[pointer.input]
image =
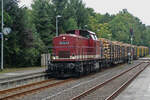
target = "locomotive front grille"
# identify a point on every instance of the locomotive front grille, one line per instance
(64, 54)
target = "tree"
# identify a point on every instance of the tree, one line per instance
(70, 24)
(76, 9)
(43, 20)
(23, 40)
(104, 31)
(93, 24)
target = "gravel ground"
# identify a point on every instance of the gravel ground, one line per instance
(71, 89)
(107, 90)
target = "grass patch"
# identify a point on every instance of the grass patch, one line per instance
(6, 70)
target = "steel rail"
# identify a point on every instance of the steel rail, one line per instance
(24, 86)
(34, 90)
(102, 84)
(120, 89)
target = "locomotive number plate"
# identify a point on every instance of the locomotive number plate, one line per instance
(64, 42)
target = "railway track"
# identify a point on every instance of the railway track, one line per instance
(18, 92)
(107, 85)
(21, 91)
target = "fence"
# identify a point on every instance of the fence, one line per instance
(44, 59)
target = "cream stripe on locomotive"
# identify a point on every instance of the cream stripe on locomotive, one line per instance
(78, 57)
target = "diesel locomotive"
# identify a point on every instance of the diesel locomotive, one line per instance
(79, 52)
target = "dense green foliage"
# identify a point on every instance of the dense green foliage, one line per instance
(33, 29)
(23, 46)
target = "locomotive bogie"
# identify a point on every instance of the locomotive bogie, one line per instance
(65, 69)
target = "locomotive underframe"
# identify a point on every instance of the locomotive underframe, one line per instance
(79, 68)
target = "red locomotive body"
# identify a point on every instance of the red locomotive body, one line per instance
(75, 52)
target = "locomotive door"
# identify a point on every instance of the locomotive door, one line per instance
(93, 45)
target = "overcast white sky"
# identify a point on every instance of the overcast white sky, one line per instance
(139, 8)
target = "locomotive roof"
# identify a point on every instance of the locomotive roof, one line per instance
(73, 35)
(83, 33)
(87, 31)
(90, 32)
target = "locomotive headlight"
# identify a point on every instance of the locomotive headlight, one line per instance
(54, 57)
(73, 56)
(64, 38)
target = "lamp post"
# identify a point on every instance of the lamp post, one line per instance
(2, 37)
(58, 16)
(4, 31)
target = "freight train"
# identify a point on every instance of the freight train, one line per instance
(79, 52)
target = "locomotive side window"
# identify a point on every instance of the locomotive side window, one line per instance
(93, 37)
(85, 34)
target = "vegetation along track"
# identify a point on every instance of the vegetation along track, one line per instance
(30, 88)
(107, 86)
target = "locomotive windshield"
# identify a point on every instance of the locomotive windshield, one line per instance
(83, 33)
